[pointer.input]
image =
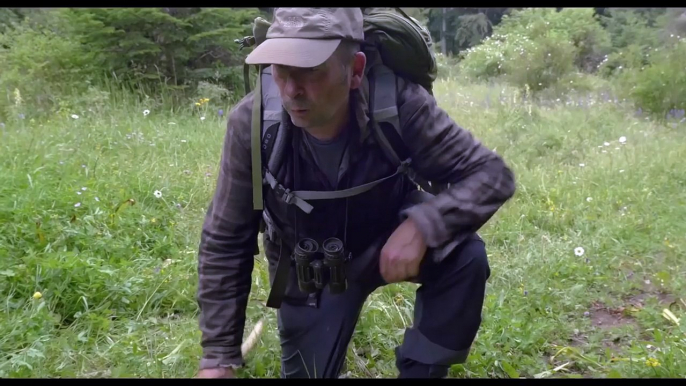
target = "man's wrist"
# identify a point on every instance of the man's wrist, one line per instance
(213, 361)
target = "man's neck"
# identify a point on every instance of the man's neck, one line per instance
(328, 132)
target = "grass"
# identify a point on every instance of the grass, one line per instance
(117, 273)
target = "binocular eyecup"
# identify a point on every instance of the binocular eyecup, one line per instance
(313, 273)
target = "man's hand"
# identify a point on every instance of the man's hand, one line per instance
(218, 372)
(402, 254)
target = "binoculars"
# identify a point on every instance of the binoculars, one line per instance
(313, 273)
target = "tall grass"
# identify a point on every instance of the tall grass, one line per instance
(100, 219)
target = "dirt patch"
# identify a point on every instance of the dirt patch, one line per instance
(604, 317)
(578, 340)
(650, 293)
(640, 299)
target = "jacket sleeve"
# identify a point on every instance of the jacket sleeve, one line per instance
(227, 246)
(444, 152)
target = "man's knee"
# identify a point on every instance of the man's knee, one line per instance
(474, 254)
(468, 259)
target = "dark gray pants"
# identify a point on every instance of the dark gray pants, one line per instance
(447, 316)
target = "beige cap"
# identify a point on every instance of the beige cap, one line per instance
(306, 37)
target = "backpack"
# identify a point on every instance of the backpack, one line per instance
(405, 49)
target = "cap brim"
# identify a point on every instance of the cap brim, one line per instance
(293, 52)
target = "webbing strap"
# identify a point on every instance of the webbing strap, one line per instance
(280, 283)
(299, 197)
(255, 148)
(285, 194)
(246, 78)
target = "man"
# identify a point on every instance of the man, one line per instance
(394, 232)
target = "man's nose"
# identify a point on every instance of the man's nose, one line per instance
(292, 89)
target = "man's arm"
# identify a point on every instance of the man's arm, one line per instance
(227, 246)
(444, 152)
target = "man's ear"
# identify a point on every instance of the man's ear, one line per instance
(359, 63)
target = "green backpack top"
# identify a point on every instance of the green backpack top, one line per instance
(403, 44)
(405, 49)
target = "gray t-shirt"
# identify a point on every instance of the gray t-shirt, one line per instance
(328, 154)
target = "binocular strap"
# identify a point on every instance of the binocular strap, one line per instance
(280, 282)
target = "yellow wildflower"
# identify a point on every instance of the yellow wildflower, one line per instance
(37, 295)
(652, 362)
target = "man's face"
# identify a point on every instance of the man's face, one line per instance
(314, 96)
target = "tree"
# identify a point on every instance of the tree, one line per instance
(461, 28)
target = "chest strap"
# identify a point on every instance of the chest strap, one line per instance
(299, 198)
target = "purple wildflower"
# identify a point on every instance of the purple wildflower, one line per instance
(221, 112)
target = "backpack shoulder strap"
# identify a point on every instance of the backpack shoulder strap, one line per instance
(273, 139)
(267, 140)
(384, 108)
(256, 147)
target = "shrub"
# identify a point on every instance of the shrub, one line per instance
(660, 86)
(175, 46)
(52, 57)
(634, 35)
(486, 60)
(579, 25)
(538, 46)
(39, 65)
(543, 63)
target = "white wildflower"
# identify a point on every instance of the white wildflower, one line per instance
(77, 204)
(158, 194)
(146, 112)
(183, 141)
(582, 165)
(97, 199)
(84, 188)
(589, 199)
(606, 143)
(579, 251)
(621, 171)
(622, 139)
(202, 118)
(77, 192)
(75, 116)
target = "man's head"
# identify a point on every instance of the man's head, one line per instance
(316, 61)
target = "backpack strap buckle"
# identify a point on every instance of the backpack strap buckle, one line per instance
(404, 166)
(286, 195)
(247, 41)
